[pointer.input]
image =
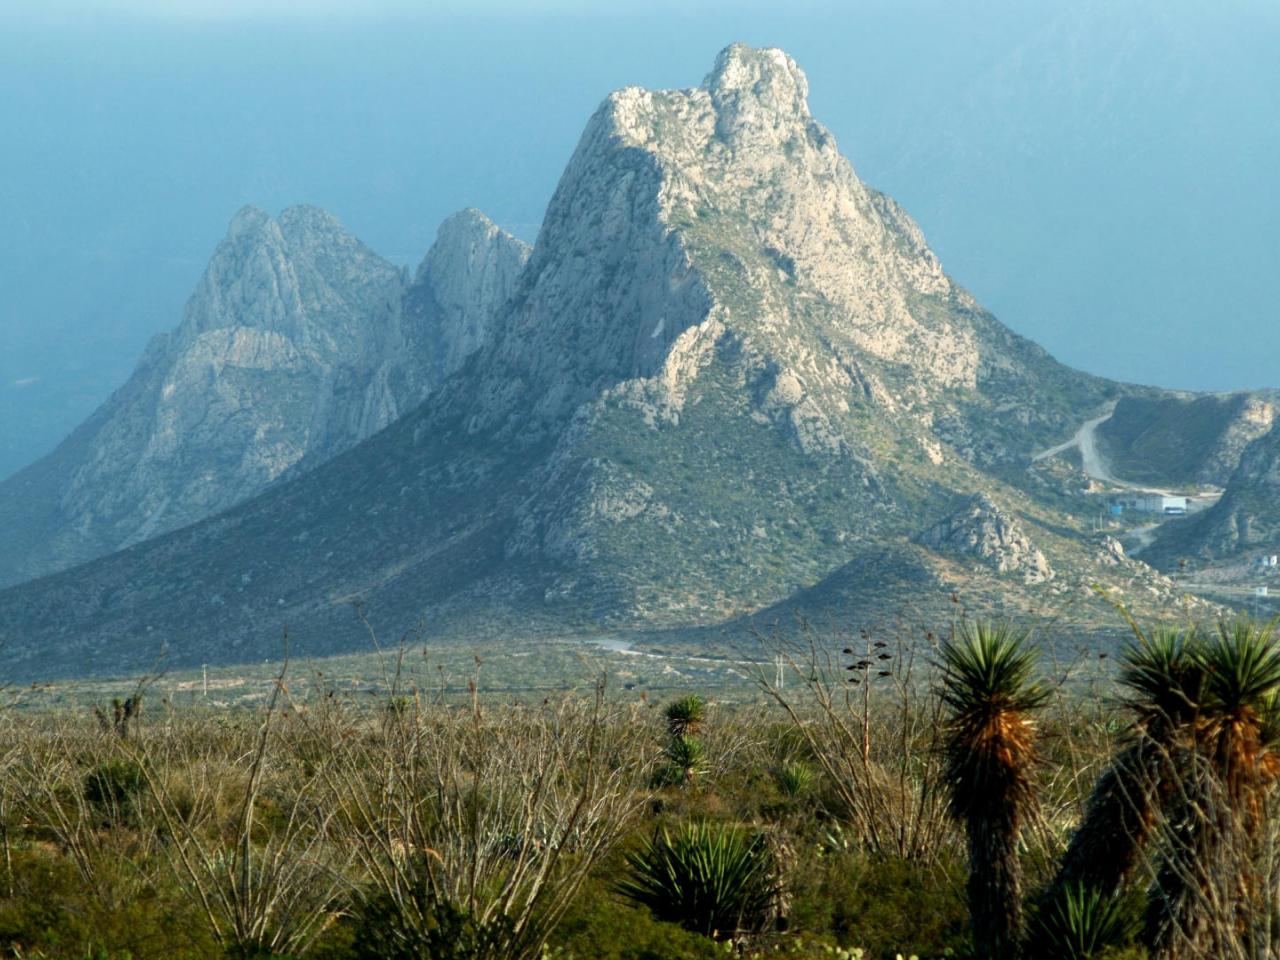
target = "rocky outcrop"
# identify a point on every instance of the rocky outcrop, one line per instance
(298, 343)
(982, 531)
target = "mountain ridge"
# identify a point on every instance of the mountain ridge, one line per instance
(727, 372)
(295, 345)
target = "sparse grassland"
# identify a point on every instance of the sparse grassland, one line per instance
(858, 799)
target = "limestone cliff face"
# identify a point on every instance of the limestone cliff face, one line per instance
(298, 343)
(469, 273)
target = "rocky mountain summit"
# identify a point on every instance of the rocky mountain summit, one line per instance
(729, 378)
(449, 309)
(298, 343)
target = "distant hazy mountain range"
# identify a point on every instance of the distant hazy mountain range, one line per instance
(298, 343)
(730, 381)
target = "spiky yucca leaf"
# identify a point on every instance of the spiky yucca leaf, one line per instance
(686, 752)
(1164, 677)
(793, 778)
(716, 880)
(1241, 665)
(686, 715)
(1081, 923)
(684, 761)
(989, 690)
(1242, 679)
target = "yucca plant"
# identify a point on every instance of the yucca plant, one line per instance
(793, 778)
(1163, 678)
(686, 715)
(1081, 923)
(1205, 883)
(990, 694)
(1242, 677)
(684, 760)
(716, 880)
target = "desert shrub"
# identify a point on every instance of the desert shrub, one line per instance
(793, 778)
(487, 823)
(53, 914)
(112, 788)
(437, 929)
(885, 905)
(600, 927)
(716, 880)
(1083, 923)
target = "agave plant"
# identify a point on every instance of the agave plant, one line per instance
(1204, 884)
(1081, 923)
(718, 881)
(989, 747)
(1163, 677)
(686, 715)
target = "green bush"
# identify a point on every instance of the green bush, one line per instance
(113, 787)
(884, 905)
(54, 914)
(1083, 924)
(715, 880)
(435, 929)
(599, 927)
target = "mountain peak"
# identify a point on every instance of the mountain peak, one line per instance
(728, 373)
(248, 219)
(768, 78)
(305, 217)
(463, 229)
(469, 272)
(467, 218)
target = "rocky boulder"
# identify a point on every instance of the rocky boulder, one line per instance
(982, 531)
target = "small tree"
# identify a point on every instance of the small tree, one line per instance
(1163, 679)
(989, 746)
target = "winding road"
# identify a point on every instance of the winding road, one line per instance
(1086, 441)
(1096, 466)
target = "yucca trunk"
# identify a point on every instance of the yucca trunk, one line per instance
(1118, 822)
(1209, 899)
(1177, 925)
(995, 882)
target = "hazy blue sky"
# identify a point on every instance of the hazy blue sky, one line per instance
(1102, 175)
